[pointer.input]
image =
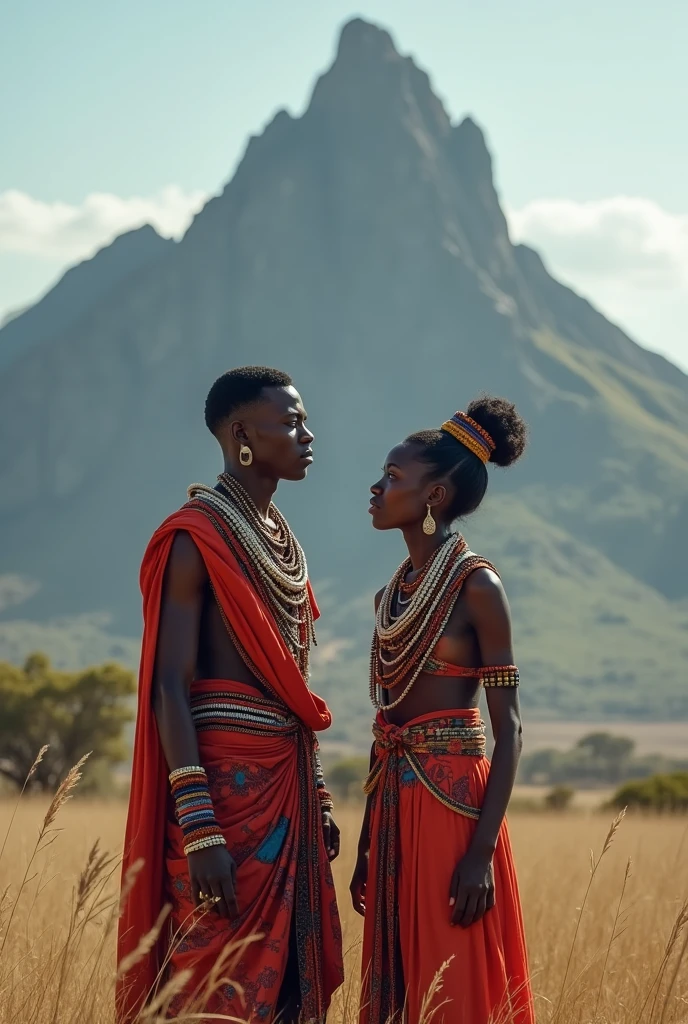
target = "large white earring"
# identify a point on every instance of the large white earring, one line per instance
(429, 524)
(245, 455)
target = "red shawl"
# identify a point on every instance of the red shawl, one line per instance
(258, 635)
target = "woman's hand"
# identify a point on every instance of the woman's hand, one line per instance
(358, 884)
(330, 835)
(212, 872)
(472, 892)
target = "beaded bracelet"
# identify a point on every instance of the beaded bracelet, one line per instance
(324, 796)
(189, 770)
(326, 801)
(194, 809)
(499, 675)
(204, 844)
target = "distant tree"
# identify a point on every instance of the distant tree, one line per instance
(606, 746)
(610, 753)
(598, 759)
(658, 793)
(73, 712)
(559, 798)
(543, 766)
(345, 778)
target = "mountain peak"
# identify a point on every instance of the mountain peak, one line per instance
(370, 80)
(470, 150)
(361, 39)
(80, 288)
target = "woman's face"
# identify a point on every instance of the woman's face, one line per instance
(400, 497)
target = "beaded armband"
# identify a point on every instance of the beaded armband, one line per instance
(324, 796)
(499, 675)
(194, 809)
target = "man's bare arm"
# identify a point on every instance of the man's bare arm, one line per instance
(212, 871)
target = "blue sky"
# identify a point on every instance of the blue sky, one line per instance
(115, 112)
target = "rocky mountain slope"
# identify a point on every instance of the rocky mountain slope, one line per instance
(362, 247)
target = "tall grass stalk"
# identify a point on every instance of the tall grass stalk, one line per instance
(60, 905)
(594, 868)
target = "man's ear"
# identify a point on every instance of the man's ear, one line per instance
(238, 432)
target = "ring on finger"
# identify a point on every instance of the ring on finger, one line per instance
(208, 898)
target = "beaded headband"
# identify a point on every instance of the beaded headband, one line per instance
(469, 433)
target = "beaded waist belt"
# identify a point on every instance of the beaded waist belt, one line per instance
(441, 736)
(240, 712)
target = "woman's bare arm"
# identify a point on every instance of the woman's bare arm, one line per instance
(472, 887)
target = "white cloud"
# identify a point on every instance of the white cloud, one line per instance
(67, 232)
(629, 256)
(623, 239)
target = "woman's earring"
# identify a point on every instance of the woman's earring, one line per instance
(429, 524)
(245, 455)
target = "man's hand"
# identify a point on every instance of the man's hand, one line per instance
(330, 835)
(472, 891)
(357, 888)
(213, 874)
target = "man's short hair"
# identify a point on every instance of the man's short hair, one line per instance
(237, 388)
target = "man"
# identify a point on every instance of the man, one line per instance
(225, 737)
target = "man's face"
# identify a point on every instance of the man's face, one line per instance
(276, 432)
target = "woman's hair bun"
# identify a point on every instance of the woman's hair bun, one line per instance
(505, 426)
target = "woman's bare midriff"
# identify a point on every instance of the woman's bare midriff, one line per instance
(432, 693)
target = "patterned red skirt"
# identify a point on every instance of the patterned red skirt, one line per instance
(428, 785)
(260, 772)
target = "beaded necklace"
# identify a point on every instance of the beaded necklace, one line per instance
(403, 641)
(272, 560)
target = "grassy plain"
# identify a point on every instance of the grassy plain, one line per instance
(627, 965)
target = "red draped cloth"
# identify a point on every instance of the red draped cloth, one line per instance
(258, 752)
(428, 784)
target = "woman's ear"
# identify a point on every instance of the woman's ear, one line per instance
(436, 495)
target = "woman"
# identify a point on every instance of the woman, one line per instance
(434, 876)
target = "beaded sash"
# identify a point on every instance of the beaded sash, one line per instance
(242, 712)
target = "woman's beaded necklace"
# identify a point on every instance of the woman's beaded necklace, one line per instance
(276, 562)
(402, 641)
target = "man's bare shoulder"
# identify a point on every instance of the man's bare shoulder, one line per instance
(185, 563)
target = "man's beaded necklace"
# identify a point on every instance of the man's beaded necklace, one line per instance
(276, 563)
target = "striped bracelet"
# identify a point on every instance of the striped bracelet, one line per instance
(194, 808)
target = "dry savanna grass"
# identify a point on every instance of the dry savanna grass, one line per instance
(607, 930)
